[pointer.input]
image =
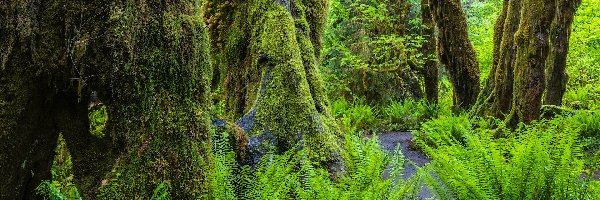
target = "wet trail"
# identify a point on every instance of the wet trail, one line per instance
(389, 142)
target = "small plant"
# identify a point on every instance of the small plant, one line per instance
(444, 131)
(354, 117)
(98, 118)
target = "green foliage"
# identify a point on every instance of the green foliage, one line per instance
(61, 186)
(409, 114)
(355, 116)
(445, 130)
(370, 50)
(589, 125)
(98, 119)
(293, 175)
(583, 62)
(52, 190)
(161, 192)
(539, 161)
(481, 16)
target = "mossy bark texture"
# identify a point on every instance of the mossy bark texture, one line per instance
(147, 61)
(560, 32)
(531, 40)
(456, 52)
(268, 53)
(430, 66)
(532, 51)
(496, 97)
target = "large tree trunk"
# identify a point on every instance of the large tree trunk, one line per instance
(496, 97)
(532, 50)
(560, 32)
(521, 53)
(149, 63)
(430, 67)
(456, 51)
(268, 50)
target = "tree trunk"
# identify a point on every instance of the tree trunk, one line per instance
(456, 52)
(149, 63)
(269, 52)
(430, 66)
(532, 50)
(560, 32)
(497, 95)
(517, 81)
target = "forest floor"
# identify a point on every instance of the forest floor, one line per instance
(413, 158)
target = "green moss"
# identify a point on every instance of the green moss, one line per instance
(284, 92)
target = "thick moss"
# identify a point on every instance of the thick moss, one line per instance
(271, 83)
(158, 103)
(149, 63)
(430, 67)
(560, 32)
(496, 98)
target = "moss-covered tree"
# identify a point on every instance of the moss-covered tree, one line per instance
(268, 54)
(522, 38)
(496, 96)
(456, 52)
(148, 62)
(430, 66)
(532, 51)
(560, 32)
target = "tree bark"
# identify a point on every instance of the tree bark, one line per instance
(430, 66)
(532, 51)
(149, 63)
(497, 95)
(560, 32)
(456, 51)
(269, 53)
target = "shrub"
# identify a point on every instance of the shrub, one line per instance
(446, 130)
(354, 117)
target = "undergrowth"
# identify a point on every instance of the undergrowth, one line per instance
(293, 175)
(544, 160)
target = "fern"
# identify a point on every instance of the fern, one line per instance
(539, 161)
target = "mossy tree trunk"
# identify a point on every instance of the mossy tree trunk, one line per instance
(532, 51)
(148, 62)
(496, 97)
(531, 40)
(430, 67)
(268, 51)
(560, 32)
(456, 51)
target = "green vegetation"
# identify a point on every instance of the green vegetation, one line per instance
(283, 100)
(292, 175)
(543, 160)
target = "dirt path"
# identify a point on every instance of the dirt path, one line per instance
(389, 141)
